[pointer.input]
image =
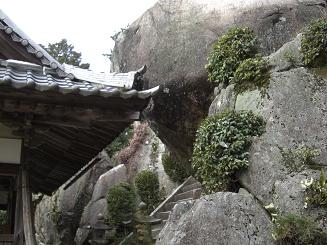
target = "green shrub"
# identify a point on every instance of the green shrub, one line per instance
(147, 187)
(228, 52)
(121, 204)
(120, 142)
(251, 74)
(299, 158)
(314, 43)
(173, 169)
(316, 193)
(221, 147)
(3, 217)
(294, 230)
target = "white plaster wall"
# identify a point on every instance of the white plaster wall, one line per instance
(10, 150)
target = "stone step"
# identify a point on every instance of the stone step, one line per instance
(170, 205)
(163, 215)
(155, 233)
(192, 181)
(191, 187)
(154, 221)
(157, 226)
(194, 194)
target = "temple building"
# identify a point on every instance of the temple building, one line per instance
(54, 119)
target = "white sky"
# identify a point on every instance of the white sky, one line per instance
(87, 25)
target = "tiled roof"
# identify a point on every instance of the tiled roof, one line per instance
(19, 37)
(27, 75)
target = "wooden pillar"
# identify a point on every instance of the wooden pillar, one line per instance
(27, 209)
(19, 229)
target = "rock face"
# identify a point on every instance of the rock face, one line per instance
(220, 218)
(57, 217)
(173, 39)
(294, 110)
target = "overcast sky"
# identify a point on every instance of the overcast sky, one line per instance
(87, 25)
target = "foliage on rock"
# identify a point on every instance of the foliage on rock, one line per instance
(147, 187)
(221, 147)
(294, 230)
(316, 192)
(314, 43)
(121, 204)
(251, 74)
(173, 169)
(299, 158)
(126, 155)
(120, 142)
(228, 52)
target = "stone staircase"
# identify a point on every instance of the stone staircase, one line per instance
(190, 189)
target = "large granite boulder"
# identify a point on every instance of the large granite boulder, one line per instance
(115, 175)
(173, 38)
(220, 218)
(57, 217)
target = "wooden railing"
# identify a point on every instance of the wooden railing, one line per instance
(6, 239)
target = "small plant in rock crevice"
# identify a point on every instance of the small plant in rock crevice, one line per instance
(314, 43)
(289, 57)
(251, 74)
(299, 158)
(154, 151)
(228, 52)
(174, 169)
(147, 187)
(291, 229)
(316, 192)
(120, 142)
(221, 148)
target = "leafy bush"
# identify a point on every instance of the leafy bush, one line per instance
(314, 43)
(294, 230)
(251, 74)
(147, 187)
(299, 158)
(121, 204)
(173, 169)
(120, 142)
(221, 147)
(316, 192)
(228, 52)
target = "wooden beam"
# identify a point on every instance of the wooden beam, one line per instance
(75, 100)
(27, 209)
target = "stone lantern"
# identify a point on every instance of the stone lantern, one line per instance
(99, 231)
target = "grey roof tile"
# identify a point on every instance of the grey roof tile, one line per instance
(18, 36)
(23, 74)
